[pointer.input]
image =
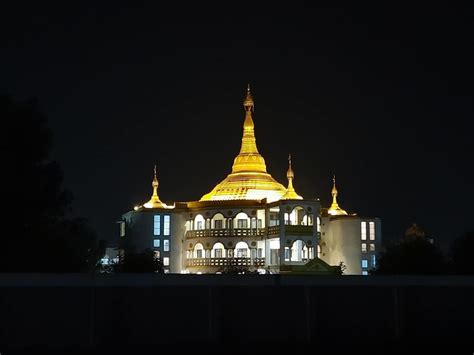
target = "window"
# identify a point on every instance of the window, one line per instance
(218, 224)
(242, 253)
(208, 224)
(365, 273)
(372, 230)
(156, 224)
(218, 253)
(241, 223)
(199, 225)
(166, 245)
(156, 243)
(157, 254)
(373, 260)
(259, 252)
(318, 225)
(364, 247)
(372, 247)
(253, 223)
(166, 225)
(287, 254)
(199, 253)
(122, 229)
(365, 264)
(363, 230)
(259, 223)
(166, 261)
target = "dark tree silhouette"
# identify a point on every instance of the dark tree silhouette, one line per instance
(415, 256)
(38, 236)
(143, 262)
(462, 250)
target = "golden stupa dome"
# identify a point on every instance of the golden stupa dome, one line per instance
(249, 179)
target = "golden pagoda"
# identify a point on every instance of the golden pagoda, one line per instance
(249, 179)
(290, 191)
(335, 210)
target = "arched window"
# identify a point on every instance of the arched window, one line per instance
(199, 222)
(298, 253)
(307, 220)
(198, 252)
(218, 251)
(218, 221)
(296, 216)
(242, 221)
(241, 250)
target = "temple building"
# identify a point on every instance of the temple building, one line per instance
(251, 222)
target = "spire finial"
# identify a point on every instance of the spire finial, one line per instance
(155, 200)
(155, 180)
(248, 102)
(290, 191)
(334, 189)
(335, 209)
(290, 174)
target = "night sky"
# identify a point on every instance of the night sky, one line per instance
(383, 97)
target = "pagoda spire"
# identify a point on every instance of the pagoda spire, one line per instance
(249, 159)
(290, 191)
(155, 201)
(335, 209)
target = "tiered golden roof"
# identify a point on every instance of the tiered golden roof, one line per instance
(290, 191)
(249, 179)
(335, 210)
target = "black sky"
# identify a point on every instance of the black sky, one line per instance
(381, 96)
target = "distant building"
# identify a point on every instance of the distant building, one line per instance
(249, 220)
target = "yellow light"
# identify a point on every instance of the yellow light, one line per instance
(249, 179)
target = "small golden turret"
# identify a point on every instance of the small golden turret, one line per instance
(155, 200)
(290, 191)
(335, 210)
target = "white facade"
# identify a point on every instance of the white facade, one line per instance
(352, 240)
(210, 237)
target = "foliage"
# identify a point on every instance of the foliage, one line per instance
(140, 262)
(41, 238)
(462, 254)
(415, 256)
(341, 268)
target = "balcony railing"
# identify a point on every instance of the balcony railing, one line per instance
(225, 262)
(236, 232)
(299, 230)
(273, 230)
(250, 232)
